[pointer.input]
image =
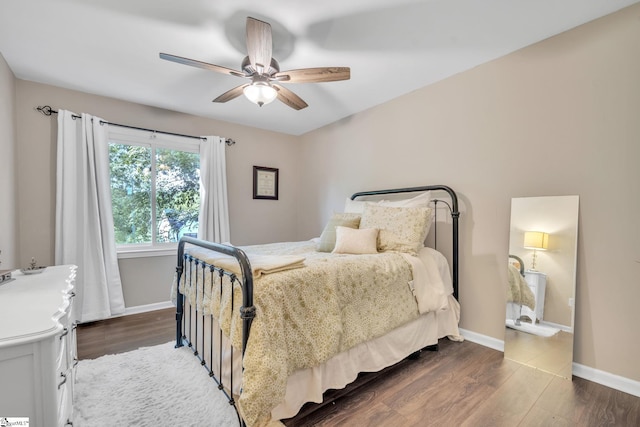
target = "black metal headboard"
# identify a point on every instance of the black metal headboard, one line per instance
(455, 215)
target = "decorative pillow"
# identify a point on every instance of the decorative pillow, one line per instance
(420, 201)
(356, 241)
(401, 229)
(328, 236)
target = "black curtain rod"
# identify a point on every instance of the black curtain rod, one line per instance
(47, 111)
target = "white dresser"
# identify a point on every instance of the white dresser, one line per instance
(38, 347)
(537, 283)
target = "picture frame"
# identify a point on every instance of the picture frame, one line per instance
(265, 183)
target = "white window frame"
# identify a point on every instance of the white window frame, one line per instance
(154, 140)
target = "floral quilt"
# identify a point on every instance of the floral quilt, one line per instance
(306, 315)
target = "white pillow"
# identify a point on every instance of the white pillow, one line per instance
(401, 229)
(420, 201)
(354, 206)
(356, 240)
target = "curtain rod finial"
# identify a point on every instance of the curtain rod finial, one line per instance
(229, 142)
(46, 110)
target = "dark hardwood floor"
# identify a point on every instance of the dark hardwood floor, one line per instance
(125, 333)
(462, 384)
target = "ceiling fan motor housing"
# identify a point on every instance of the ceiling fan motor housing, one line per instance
(249, 70)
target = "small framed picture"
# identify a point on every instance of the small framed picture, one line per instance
(265, 183)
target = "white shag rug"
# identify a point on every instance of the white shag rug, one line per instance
(540, 330)
(152, 386)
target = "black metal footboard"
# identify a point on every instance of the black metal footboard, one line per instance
(191, 327)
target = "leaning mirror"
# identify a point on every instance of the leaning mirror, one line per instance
(541, 290)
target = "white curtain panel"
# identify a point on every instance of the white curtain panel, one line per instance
(84, 220)
(213, 220)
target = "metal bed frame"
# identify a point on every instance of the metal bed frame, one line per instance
(195, 270)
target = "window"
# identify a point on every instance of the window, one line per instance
(155, 184)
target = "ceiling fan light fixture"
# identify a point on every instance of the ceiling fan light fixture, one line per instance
(260, 93)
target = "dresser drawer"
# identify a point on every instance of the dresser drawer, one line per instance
(65, 398)
(62, 350)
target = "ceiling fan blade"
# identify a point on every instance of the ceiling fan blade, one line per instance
(314, 75)
(199, 64)
(259, 44)
(231, 94)
(290, 98)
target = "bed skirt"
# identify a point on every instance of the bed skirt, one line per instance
(308, 385)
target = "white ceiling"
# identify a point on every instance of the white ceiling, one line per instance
(111, 47)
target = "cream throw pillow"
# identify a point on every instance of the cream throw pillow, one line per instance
(401, 229)
(328, 237)
(356, 241)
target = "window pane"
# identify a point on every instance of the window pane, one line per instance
(131, 192)
(177, 194)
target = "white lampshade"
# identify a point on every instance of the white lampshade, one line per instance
(260, 93)
(536, 240)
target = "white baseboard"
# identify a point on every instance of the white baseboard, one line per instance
(617, 382)
(145, 308)
(484, 340)
(557, 326)
(607, 379)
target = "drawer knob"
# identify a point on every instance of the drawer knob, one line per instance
(63, 381)
(64, 333)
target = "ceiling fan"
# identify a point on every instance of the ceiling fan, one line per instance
(264, 72)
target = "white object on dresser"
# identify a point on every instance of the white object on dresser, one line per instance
(537, 282)
(38, 347)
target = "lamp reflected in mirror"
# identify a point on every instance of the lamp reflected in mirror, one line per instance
(541, 283)
(536, 240)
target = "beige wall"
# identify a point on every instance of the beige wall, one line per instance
(36, 157)
(8, 235)
(556, 118)
(559, 117)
